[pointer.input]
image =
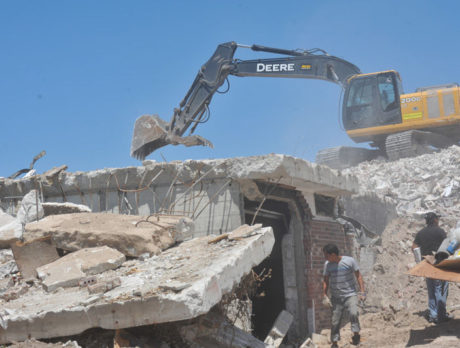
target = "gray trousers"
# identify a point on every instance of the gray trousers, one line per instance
(339, 305)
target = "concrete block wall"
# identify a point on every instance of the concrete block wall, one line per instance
(215, 211)
(215, 205)
(322, 231)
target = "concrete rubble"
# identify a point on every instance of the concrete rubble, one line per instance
(180, 283)
(415, 185)
(7, 263)
(199, 242)
(56, 208)
(171, 242)
(394, 312)
(214, 331)
(279, 330)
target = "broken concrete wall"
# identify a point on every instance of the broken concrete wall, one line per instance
(215, 204)
(370, 210)
(209, 187)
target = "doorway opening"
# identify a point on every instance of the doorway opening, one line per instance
(269, 300)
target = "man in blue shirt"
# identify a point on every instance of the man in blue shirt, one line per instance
(340, 276)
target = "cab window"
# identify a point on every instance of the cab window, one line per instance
(387, 93)
(360, 93)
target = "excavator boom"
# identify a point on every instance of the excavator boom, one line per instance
(151, 132)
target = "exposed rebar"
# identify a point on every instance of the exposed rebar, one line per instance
(210, 200)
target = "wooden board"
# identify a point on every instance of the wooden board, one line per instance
(453, 264)
(425, 269)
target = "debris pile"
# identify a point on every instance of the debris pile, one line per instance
(416, 185)
(65, 273)
(141, 212)
(147, 281)
(395, 308)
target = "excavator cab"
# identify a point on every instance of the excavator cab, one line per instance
(371, 104)
(372, 100)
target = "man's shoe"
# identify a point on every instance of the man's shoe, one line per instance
(443, 319)
(356, 339)
(334, 345)
(432, 320)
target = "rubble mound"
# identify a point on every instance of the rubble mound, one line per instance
(418, 184)
(394, 312)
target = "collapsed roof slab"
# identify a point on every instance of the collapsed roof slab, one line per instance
(295, 172)
(284, 169)
(208, 191)
(181, 283)
(130, 234)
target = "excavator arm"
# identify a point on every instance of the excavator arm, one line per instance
(151, 132)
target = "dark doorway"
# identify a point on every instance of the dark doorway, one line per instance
(270, 299)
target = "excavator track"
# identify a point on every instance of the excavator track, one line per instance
(402, 145)
(414, 143)
(342, 157)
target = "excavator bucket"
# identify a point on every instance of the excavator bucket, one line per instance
(150, 133)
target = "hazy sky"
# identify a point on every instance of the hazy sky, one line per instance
(75, 75)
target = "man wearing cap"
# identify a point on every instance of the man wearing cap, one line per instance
(429, 240)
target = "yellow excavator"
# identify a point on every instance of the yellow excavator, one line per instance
(375, 110)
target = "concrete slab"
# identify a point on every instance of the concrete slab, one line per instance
(31, 208)
(213, 330)
(10, 229)
(29, 256)
(38, 344)
(279, 329)
(244, 231)
(55, 208)
(71, 268)
(308, 343)
(210, 270)
(130, 234)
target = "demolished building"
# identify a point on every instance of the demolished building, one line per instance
(295, 199)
